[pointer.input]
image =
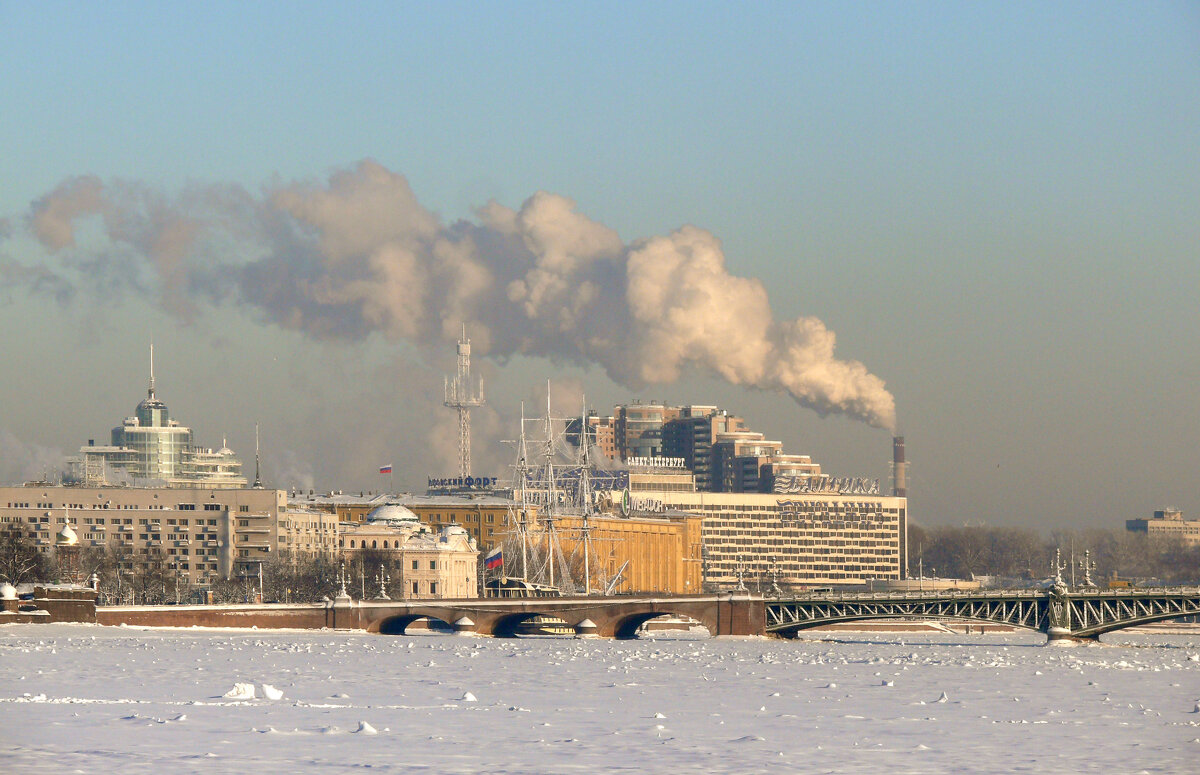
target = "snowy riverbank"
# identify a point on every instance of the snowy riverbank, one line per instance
(97, 699)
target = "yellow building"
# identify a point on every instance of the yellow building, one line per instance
(663, 554)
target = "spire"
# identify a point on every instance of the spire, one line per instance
(150, 392)
(257, 479)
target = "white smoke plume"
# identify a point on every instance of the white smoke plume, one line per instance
(358, 254)
(22, 461)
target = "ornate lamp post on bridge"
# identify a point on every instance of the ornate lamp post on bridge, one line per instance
(1087, 565)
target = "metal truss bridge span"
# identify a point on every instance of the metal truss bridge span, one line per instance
(1055, 611)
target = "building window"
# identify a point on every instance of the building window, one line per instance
(414, 568)
(243, 508)
(433, 565)
(433, 587)
(415, 591)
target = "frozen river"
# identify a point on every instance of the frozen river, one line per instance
(82, 698)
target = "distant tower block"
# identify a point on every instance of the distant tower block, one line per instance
(899, 486)
(460, 396)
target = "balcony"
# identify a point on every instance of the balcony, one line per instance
(182, 543)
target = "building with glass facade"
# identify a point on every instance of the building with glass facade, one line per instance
(150, 448)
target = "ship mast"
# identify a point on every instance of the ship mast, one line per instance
(548, 454)
(523, 472)
(584, 498)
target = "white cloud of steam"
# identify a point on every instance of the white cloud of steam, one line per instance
(22, 461)
(359, 254)
(284, 468)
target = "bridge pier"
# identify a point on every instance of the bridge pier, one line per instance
(740, 615)
(1054, 634)
(340, 614)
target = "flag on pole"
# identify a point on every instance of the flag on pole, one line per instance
(494, 559)
(385, 469)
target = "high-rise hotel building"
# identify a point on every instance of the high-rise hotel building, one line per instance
(150, 448)
(811, 531)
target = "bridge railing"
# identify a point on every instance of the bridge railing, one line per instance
(950, 594)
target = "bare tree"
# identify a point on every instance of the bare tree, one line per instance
(20, 561)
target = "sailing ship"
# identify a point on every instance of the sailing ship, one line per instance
(556, 481)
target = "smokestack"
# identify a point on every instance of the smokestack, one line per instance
(898, 484)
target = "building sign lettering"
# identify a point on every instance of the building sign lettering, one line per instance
(656, 462)
(640, 504)
(468, 482)
(846, 485)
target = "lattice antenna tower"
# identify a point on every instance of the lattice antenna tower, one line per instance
(257, 478)
(462, 397)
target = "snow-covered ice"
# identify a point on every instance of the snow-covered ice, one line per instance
(240, 691)
(96, 699)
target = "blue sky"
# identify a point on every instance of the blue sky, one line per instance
(994, 206)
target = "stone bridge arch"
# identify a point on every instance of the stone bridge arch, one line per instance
(507, 626)
(605, 617)
(398, 625)
(397, 622)
(627, 624)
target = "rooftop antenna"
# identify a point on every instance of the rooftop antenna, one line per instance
(257, 479)
(461, 396)
(150, 392)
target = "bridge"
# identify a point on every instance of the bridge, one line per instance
(1058, 612)
(605, 617)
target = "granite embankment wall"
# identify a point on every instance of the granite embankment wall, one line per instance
(299, 617)
(51, 603)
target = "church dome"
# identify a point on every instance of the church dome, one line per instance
(392, 512)
(67, 537)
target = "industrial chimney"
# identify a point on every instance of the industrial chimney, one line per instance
(898, 485)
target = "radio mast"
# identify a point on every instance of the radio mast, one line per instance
(460, 396)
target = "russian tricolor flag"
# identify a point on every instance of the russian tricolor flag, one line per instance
(385, 469)
(494, 559)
